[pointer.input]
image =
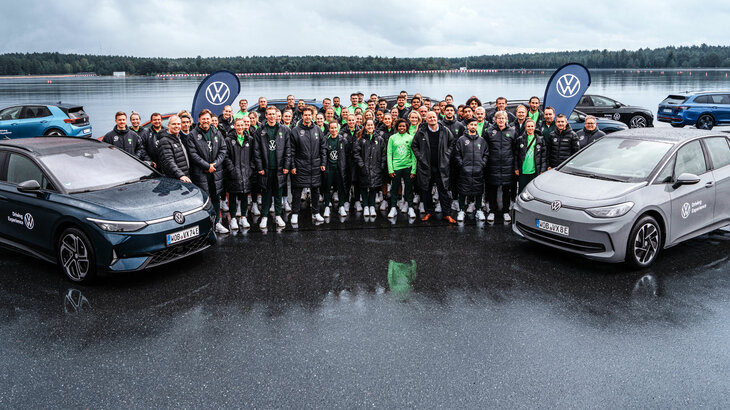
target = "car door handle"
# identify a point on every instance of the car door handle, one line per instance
(710, 184)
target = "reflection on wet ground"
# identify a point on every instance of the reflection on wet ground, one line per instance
(410, 316)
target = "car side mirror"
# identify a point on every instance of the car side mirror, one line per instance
(581, 118)
(686, 179)
(29, 187)
(617, 105)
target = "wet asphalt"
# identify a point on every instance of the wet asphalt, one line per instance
(367, 314)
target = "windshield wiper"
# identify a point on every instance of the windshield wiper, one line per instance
(596, 176)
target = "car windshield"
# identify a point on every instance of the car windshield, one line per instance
(93, 169)
(618, 159)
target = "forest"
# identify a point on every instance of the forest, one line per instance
(56, 63)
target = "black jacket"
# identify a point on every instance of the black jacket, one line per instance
(585, 137)
(404, 112)
(127, 140)
(225, 126)
(385, 132)
(561, 145)
(455, 126)
(422, 150)
(151, 140)
(471, 153)
(342, 149)
(519, 128)
(309, 153)
(201, 157)
(239, 165)
(540, 149)
(261, 153)
(371, 158)
(500, 166)
(174, 160)
(351, 164)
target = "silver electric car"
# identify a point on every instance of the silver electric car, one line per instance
(630, 194)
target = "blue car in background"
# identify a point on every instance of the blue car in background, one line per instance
(89, 206)
(35, 120)
(704, 110)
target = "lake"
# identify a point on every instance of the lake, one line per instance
(103, 96)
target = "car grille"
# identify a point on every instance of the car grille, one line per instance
(557, 240)
(178, 251)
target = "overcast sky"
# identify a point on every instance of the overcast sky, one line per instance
(166, 28)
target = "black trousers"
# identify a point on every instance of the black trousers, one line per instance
(444, 195)
(334, 182)
(492, 197)
(296, 201)
(234, 199)
(525, 179)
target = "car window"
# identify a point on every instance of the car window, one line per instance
(585, 100)
(724, 99)
(702, 99)
(690, 159)
(599, 101)
(36, 111)
(11, 113)
(21, 169)
(719, 151)
(665, 176)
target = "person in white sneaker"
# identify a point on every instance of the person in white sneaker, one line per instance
(401, 166)
(336, 169)
(470, 153)
(352, 186)
(239, 167)
(370, 156)
(501, 165)
(272, 160)
(309, 157)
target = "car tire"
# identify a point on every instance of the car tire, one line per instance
(638, 121)
(54, 133)
(677, 125)
(705, 122)
(76, 256)
(645, 243)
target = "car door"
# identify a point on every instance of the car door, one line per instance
(9, 118)
(722, 108)
(33, 121)
(28, 219)
(586, 105)
(604, 107)
(719, 150)
(692, 205)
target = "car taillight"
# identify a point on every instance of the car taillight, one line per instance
(73, 120)
(682, 107)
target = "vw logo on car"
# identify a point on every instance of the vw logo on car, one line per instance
(178, 217)
(556, 205)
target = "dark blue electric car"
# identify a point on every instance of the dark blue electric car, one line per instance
(90, 206)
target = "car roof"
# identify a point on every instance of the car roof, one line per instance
(56, 104)
(673, 135)
(50, 145)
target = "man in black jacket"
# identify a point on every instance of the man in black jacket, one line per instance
(589, 133)
(151, 138)
(309, 153)
(124, 138)
(207, 151)
(458, 129)
(562, 143)
(500, 166)
(432, 147)
(272, 159)
(174, 161)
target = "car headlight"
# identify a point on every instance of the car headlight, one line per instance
(117, 226)
(526, 196)
(612, 211)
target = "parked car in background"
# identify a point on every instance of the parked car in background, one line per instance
(704, 110)
(604, 107)
(35, 120)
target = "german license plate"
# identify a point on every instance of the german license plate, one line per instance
(180, 236)
(551, 227)
(667, 110)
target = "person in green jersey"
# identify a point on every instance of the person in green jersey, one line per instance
(242, 109)
(401, 166)
(534, 113)
(414, 121)
(530, 155)
(337, 107)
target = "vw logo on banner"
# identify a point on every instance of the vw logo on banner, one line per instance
(215, 92)
(566, 87)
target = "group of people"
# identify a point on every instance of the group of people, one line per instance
(436, 157)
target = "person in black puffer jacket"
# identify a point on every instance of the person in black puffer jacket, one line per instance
(370, 155)
(530, 155)
(458, 129)
(126, 139)
(349, 132)
(272, 156)
(309, 154)
(174, 161)
(589, 133)
(151, 138)
(562, 142)
(470, 154)
(500, 167)
(239, 170)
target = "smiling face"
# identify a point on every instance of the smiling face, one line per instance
(135, 120)
(121, 121)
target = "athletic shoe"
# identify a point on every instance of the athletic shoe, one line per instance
(219, 228)
(367, 210)
(262, 224)
(411, 212)
(336, 197)
(373, 212)
(318, 218)
(224, 205)
(384, 206)
(393, 213)
(426, 217)
(280, 222)
(326, 212)
(416, 199)
(378, 196)
(255, 209)
(358, 206)
(404, 207)
(490, 217)
(449, 219)
(460, 216)
(438, 207)
(507, 218)
(244, 223)
(343, 213)
(480, 215)
(258, 199)
(421, 208)
(347, 206)
(287, 205)
(455, 204)
(238, 209)
(234, 224)
(470, 208)
(294, 219)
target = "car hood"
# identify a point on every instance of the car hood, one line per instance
(580, 191)
(145, 200)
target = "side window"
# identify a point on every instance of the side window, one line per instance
(602, 101)
(585, 100)
(665, 176)
(719, 151)
(690, 159)
(36, 111)
(702, 99)
(11, 113)
(724, 99)
(21, 169)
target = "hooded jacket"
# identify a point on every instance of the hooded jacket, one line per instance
(470, 154)
(422, 150)
(309, 153)
(500, 166)
(239, 164)
(127, 140)
(561, 145)
(282, 147)
(370, 156)
(202, 153)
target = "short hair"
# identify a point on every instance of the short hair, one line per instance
(237, 120)
(590, 117)
(534, 98)
(472, 99)
(549, 107)
(271, 108)
(133, 113)
(480, 108)
(561, 116)
(203, 112)
(449, 106)
(173, 117)
(308, 108)
(155, 114)
(326, 99)
(520, 106)
(353, 95)
(185, 114)
(400, 121)
(449, 95)
(529, 120)
(242, 99)
(500, 114)
(501, 98)
(120, 114)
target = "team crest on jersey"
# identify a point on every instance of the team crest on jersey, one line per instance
(466, 142)
(555, 140)
(272, 145)
(581, 138)
(522, 145)
(116, 138)
(301, 132)
(401, 150)
(334, 155)
(129, 140)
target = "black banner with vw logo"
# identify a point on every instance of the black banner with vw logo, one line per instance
(215, 92)
(566, 87)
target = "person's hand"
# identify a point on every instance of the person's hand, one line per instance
(286, 171)
(517, 172)
(322, 168)
(185, 179)
(211, 169)
(262, 172)
(413, 176)
(549, 168)
(293, 171)
(392, 174)
(154, 165)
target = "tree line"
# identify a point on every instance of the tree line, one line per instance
(56, 63)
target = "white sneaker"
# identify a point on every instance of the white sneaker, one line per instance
(318, 218)
(238, 209)
(438, 207)
(347, 206)
(367, 211)
(224, 205)
(326, 212)
(219, 228)
(244, 223)
(255, 209)
(460, 216)
(454, 204)
(384, 206)
(262, 224)
(507, 218)
(342, 211)
(480, 215)
(378, 196)
(416, 199)
(404, 207)
(336, 197)
(294, 219)
(490, 217)
(234, 224)
(470, 208)
(421, 208)
(258, 199)
(287, 205)
(358, 206)
(372, 211)
(393, 213)
(280, 222)
(411, 212)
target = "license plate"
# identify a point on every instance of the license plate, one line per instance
(551, 227)
(86, 131)
(667, 110)
(182, 235)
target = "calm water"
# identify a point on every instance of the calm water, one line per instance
(103, 96)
